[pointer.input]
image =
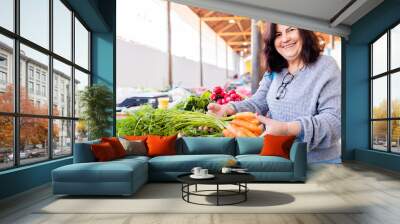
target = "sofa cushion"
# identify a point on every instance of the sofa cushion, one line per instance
(134, 147)
(161, 145)
(257, 163)
(206, 145)
(116, 145)
(249, 145)
(185, 163)
(112, 171)
(275, 145)
(103, 152)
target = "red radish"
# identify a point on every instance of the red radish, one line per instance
(219, 101)
(223, 101)
(213, 96)
(228, 99)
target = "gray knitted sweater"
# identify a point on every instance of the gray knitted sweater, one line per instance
(313, 98)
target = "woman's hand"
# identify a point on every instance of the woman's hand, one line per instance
(281, 128)
(220, 110)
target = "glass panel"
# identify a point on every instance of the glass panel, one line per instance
(7, 14)
(33, 140)
(6, 74)
(35, 21)
(62, 138)
(81, 81)
(379, 97)
(379, 55)
(62, 89)
(395, 47)
(81, 131)
(34, 81)
(6, 142)
(379, 135)
(62, 29)
(395, 136)
(395, 94)
(81, 45)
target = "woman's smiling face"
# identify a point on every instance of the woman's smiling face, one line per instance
(288, 42)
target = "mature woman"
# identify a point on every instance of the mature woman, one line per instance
(299, 95)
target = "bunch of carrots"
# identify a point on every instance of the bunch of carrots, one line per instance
(244, 124)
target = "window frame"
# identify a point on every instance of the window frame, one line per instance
(388, 74)
(15, 72)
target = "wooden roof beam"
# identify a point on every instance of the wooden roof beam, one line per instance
(208, 14)
(243, 43)
(223, 18)
(234, 33)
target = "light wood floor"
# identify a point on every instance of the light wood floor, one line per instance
(378, 188)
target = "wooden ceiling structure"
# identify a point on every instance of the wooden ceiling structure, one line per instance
(234, 30)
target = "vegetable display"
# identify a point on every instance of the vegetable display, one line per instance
(150, 121)
(243, 124)
(195, 103)
(221, 97)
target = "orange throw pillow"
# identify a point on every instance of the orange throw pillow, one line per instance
(103, 152)
(136, 138)
(161, 145)
(116, 145)
(277, 146)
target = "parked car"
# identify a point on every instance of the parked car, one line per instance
(140, 99)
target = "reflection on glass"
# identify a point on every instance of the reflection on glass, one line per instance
(7, 14)
(62, 138)
(6, 142)
(395, 136)
(379, 97)
(379, 55)
(62, 89)
(395, 94)
(379, 135)
(6, 74)
(395, 47)
(34, 96)
(33, 139)
(81, 131)
(62, 29)
(81, 45)
(35, 21)
(81, 81)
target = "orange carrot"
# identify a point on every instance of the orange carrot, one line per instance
(252, 120)
(245, 115)
(247, 132)
(227, 133)
(259, 131)
(252, 127)
(234, 130)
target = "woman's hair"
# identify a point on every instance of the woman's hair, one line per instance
(310, 51)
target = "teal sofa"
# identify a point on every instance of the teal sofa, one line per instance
(125, 176)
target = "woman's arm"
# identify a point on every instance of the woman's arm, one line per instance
(323, 129)
(257, 103)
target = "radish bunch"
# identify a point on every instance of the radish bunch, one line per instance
(221, 97)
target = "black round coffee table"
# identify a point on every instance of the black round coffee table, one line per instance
(238, 179)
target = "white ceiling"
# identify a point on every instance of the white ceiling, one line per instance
(316, 15)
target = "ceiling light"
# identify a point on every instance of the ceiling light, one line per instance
(245, 43)
(245, 50)
(231, 21)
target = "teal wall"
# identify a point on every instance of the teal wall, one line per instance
(24, 178)
(356, 82)
(99, 16)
